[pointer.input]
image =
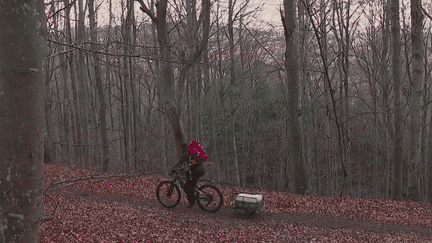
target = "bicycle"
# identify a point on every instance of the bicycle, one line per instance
(209, 199)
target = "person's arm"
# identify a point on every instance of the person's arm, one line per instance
(193, 162)
(183, 162)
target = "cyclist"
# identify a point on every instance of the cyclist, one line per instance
(192, 156)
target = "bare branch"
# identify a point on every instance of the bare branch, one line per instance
(55, 213)
(65, 7)
(148, 57)
(426, 13)
(147, 11)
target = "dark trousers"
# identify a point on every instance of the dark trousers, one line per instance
(196, 172)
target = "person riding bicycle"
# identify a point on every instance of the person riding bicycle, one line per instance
(193, 155)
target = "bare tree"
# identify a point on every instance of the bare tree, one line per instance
(416, 98)
(82, 119)
(384, 72)
(99, 86)
(398, 113)
(172, 98)
(294, 113)
(342, 31)
(22, 123)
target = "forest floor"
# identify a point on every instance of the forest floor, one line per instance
(96, 208)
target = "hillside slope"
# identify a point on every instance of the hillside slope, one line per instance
(122, 209)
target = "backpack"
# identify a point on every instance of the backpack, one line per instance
(197, 152)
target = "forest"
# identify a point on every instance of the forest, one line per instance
(331, 98)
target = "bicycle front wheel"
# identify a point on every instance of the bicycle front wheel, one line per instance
(210, 198)
(168, 194)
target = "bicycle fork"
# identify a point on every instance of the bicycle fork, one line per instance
(203, 196)
(170, 191)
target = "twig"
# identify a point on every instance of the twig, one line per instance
(72, 144)
(94, 177)
(55, 213)
(147, 11)
(148, 57)
(54, 14)
(424, 11)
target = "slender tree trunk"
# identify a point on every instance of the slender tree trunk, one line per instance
(429, 156)
(193, 79)
(341, 33)
(224, 134)
(135, 93)
(385, 165)
(320, 32)
(375, 134)
(222, 94)
(171, 104)
(429, 191)
(233, 84)
(398, 113)
(83, 126)
(210, 113)
(346, 189)
(100, 90)
(416, 99)
(294, 114)
(110, 119)
(75, 109)
(304, 98)
(50, 147)
(22, 123)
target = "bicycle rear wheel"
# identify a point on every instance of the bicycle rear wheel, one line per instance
(168, 194)
(210, 198)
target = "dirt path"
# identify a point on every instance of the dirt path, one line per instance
(228, 218)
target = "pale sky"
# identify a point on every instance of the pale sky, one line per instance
(269, 13)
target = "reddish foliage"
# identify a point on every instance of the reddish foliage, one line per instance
(125, 210)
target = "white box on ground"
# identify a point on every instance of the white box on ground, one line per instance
(245, 203)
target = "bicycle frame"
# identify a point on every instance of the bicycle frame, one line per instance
(205, 198)
(178, 180)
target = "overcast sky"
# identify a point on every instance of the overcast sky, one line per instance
(269, 11)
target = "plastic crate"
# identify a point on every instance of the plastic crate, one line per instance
(248, 204)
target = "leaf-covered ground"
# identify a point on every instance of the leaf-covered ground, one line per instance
(125, 209)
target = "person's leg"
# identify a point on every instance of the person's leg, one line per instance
(196, 173)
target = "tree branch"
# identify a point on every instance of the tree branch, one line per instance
(55, 213)
(426, 13)
(147, 11)
(76, 47)
(65, 7)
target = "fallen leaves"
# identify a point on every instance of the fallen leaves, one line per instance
(126, 210)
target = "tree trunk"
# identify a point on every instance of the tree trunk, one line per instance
(385, 164)
(416, 99)
(398, 113)
(429, 191)
(221, 94)
(22, 123)
(191, 37)
(74, 109)
(99, 86)
(168, 95)
(126, 101)
(294, 113)
(210, 114)
(232, 147)
(83, 124)
(304, 98)
(171, 104)
(345, 121)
